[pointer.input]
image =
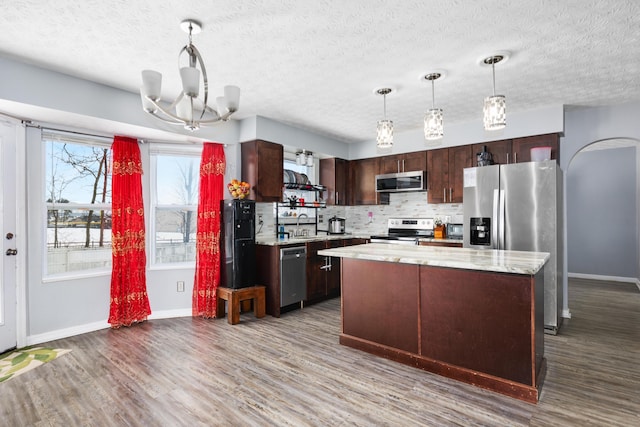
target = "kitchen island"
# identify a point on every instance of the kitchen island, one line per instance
(476, 316)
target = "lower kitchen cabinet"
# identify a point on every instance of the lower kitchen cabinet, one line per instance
(323, 273)
(268, 274)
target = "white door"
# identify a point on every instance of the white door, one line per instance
(8, 284)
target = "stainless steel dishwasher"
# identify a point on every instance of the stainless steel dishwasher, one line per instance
(293, 275)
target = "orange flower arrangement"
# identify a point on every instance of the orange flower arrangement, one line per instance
(238, 189)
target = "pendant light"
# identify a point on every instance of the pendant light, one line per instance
(495, 106)
(304, 158)
(384, 138)
(433, 119)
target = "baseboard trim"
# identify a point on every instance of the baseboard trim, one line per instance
(66, 333)
(96, 326)
(604, 278)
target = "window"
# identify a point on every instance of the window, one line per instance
(175, 210)
(78, 203)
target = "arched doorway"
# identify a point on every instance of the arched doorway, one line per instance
(603, 211)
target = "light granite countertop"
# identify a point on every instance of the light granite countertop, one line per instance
(273, 241)
(516, 262)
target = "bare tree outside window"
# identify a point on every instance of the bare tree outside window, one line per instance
(187, 190)
(78, 200)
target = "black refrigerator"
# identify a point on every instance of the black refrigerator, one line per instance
(238, 248)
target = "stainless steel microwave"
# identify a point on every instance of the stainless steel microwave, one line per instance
(404, 181)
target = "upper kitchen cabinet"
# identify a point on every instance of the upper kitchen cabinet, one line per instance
(334, 174)
(445, 173)
(500, 151)
(407, 162)
(362, 176)
(522, 146)
(262, 167)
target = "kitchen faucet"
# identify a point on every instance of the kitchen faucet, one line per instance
(297, 232)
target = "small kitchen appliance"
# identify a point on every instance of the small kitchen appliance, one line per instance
(336, 225)
(454, 231)
(405, 231)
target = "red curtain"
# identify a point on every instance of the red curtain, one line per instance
(129, 300)
(207, 278)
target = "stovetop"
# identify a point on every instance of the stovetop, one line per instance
(407, 229)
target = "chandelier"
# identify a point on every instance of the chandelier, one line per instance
(188, 109)
(384, 137)
(433, 119)
(495, 106)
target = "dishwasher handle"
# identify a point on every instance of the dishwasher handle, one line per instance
(293, 253)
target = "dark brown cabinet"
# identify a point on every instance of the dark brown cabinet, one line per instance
(362, 176)
(500, 151)
(334, 174)
(522, 146)
(323, 273)
(407, 162)
(268, 274)
(445, 175)
(262, 168)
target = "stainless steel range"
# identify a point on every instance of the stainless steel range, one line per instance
(405, 231)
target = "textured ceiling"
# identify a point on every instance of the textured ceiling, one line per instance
(315, 64)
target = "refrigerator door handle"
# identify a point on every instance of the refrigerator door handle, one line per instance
(501, 215)
(494, 226)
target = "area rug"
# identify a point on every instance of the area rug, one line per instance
(26, 359)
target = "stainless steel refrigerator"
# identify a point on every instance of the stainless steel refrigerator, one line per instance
(519, 207)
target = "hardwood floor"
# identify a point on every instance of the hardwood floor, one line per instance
(291, 371)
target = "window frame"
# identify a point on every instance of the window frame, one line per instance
(167, 150)
(87, 140)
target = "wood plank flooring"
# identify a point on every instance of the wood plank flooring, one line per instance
(291, 371)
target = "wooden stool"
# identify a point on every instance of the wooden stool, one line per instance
(234, 296)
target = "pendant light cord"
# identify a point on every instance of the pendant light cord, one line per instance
(433, 94)
(493, 69)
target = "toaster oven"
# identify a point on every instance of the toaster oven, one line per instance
(454, 231)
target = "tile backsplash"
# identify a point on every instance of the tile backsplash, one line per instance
(371, 219)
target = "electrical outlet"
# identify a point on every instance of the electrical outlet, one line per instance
(180, 286)
(260, 222)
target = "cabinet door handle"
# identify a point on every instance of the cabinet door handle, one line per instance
(515, 157)
(444, 194)
(450, 198)
(402, 165)
(507, 158)
(398, 165)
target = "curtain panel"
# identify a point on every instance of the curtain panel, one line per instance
(207, 277)
(129, 300)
